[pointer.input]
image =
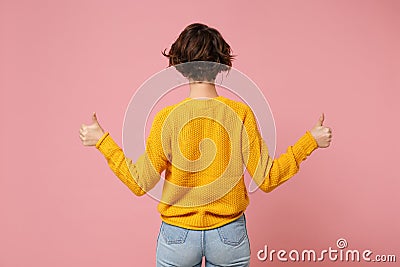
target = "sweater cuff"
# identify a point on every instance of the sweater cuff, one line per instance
(106, 144)
(304, 146)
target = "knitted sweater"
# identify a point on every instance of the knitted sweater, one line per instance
(203, 146)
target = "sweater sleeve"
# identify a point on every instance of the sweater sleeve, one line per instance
(269, 173)
(141, 176)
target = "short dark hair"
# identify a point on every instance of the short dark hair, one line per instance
(198, 42)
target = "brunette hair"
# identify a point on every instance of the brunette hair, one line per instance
(198, 42)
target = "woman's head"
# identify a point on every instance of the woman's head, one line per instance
(198, 42)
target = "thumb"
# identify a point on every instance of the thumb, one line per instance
(94, 118)
(320, 120)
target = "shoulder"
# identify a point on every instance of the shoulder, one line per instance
(161, 115)
(238, 106)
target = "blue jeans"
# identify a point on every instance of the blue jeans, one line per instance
(227, 245)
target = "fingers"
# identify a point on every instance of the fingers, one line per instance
(83, 129)
(86, 131)
(90, 134)
(85, 139)
(327, 130)
(82, 132)
(328, 136)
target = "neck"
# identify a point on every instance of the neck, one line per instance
(202, 89)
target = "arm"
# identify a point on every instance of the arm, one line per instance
(269, 173)
(142, 176)
(119, 164)
(288, 164)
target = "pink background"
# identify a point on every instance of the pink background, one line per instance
(60, 204)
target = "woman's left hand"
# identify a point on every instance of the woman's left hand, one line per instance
(91, 134)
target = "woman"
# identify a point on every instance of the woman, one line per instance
(202, 206)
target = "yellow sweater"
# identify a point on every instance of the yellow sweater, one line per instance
(203, 146)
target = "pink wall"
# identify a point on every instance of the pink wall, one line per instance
(60, 204)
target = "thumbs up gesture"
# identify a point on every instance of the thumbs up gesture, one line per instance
(321, 134)
(91, 133)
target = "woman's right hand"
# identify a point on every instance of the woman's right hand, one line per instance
(322, 134)
(91, 134)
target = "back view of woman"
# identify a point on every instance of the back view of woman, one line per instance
(202, 143)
